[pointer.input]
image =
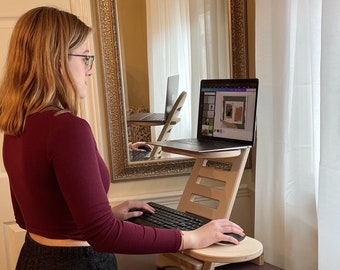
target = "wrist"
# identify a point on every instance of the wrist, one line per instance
(187, 242)
(181, 248)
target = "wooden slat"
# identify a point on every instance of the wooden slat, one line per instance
(213, 173)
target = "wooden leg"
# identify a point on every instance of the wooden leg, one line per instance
(208, 266)
(259, 260)
(178, 260)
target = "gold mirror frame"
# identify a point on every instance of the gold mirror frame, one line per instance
(109, 75)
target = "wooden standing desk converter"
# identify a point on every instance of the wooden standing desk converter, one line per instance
(213, 201)
(156, 152)
(172, 120)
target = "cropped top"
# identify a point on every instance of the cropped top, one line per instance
(59, 185)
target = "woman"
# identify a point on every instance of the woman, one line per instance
(58, 180)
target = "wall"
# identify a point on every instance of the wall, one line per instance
(132, 30)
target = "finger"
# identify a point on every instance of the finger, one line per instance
(134, 214)
(236, 225)
(230, 239)
(230, 227)
(140, 205)
(233, 229)
(229, 224)
(149, 208)
(151, 146)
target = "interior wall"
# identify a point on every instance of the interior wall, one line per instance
(132, 27)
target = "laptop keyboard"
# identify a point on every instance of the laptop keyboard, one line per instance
(154, 117)
(169, 218)
(139, 155)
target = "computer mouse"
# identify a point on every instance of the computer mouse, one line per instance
(145, 147)
(236, 236)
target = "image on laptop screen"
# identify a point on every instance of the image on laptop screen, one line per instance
(227, 109)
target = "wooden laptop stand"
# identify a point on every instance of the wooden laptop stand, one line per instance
(210, 192)
(171, 121)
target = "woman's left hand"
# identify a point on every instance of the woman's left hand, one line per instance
(129, 209)
(140, 147)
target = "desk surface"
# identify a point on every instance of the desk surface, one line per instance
(151, 123)
(220, 154)
(146, 124)
(246, 250)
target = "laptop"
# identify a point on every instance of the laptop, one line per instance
(160, 118)
(226, 117)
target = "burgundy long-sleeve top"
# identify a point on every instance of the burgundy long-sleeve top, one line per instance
(59, 186)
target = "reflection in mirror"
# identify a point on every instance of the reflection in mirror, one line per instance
(162, 38)
(115, 78)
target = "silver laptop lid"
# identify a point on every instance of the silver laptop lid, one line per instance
(171, 93)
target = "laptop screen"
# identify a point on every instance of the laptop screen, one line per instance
(171, 93)
(227, 109)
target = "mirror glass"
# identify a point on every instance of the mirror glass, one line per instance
(119, 79)
(157, 40)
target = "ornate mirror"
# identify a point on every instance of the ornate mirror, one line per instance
(112, 85)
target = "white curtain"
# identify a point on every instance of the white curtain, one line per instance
(189, 38)
(329, 199)
(297, 170)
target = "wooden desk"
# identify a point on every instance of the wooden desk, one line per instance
(210, 192)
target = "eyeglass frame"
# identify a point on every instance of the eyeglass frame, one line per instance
(88, 59)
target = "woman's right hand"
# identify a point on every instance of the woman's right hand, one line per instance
(211, 233)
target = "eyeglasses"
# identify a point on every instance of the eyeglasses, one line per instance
(88, 59)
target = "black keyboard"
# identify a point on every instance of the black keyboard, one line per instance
(166, 217)
(169, 218)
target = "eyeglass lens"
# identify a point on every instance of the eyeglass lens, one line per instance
(88, 59)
